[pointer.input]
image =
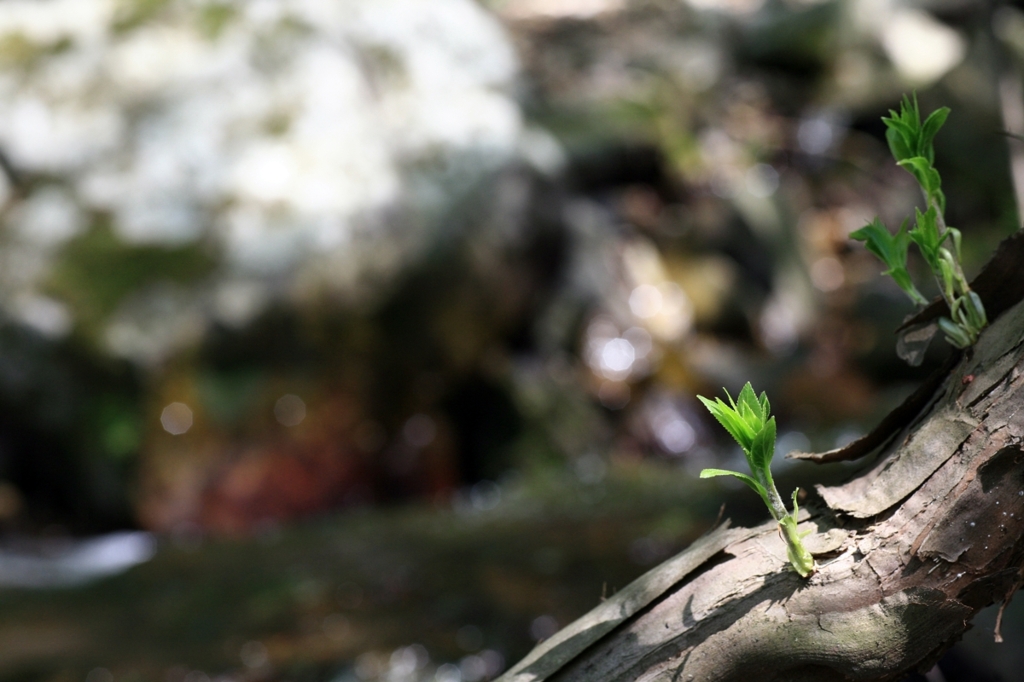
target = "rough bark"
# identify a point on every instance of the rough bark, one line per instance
(911, 549)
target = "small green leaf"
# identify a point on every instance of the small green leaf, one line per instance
(955, 234)
(898, 144)
(976, 310)
(903, 130)
(892, 251)
(955, 334)
(755, 486)
(749, 408)
(902, 279)
(959, 315)
(712, 473)
(747, 395)
(926, 235)
(763, 448)
(922, 170)
(879, 241)
(947, 277)
(931, 126)
(730, 419)
(906, 130)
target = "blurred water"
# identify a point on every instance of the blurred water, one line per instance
(48, 563)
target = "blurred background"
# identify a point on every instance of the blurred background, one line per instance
(359, 340)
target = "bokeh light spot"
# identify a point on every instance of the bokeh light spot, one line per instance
(448, 673)
(640, 340)
(543, 627)
(645, 301)
(761, 180)
(99, 675)
(827, 274)
(473, 668)
(485, 495)
(290, 410)
(336, 626)
(815, 135)
(253, 654)
(419, 431)
(617, 357)
(176, 419)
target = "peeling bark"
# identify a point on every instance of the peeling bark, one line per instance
(913, 548)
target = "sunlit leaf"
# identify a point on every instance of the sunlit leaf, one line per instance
(763, 447)
(754, 485)
(730, 419)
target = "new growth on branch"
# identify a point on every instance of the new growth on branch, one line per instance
(910, 142)
(746, 419)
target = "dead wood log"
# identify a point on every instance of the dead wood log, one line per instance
(911, 549)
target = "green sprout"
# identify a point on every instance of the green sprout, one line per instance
(910, 142)
(746, 419)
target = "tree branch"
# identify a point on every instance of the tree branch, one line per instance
(920, 542)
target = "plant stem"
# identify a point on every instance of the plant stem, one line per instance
(956, 291)
(799, 557)
(777, 508)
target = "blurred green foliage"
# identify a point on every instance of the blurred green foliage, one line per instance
(96, 271)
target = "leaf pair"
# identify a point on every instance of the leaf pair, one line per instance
(910, 142)
(746, 419)
(907, 137)
(928, 178)
(891, 249)
(968, 319)
(927, 236)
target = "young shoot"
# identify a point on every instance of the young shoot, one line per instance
(746, 419)
(910, 142)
